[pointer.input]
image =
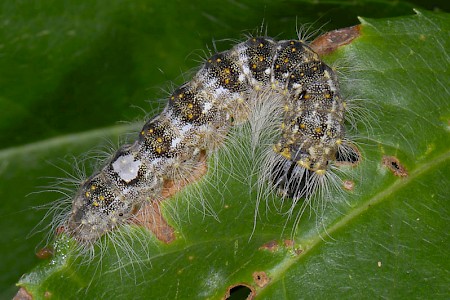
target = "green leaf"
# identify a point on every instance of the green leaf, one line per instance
(387, 238)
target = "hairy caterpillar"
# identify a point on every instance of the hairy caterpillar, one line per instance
(197, 118)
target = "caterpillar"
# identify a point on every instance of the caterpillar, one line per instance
(197, 118)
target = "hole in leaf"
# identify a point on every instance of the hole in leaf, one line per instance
(240, 292)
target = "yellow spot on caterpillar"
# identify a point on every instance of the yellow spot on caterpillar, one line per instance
(303, 164)
(218, 60)
(294, 49)
(261, 58)
(302, 74)
(328, 96)
(180, 95)
(261, 45)
(254, 66)
(286, 60)
(151, 130)
(227, 81)
(190, 105)
(303, 126)
(87, 194)
(95, 203)
(318, 130)
(277, 66)
(93, 187)
(190, 116)
(338, 141)
(286, 153)
(320, 172)
(306, 96)
(159, 140)
(286, 108)
(101, 198)
(158, 150)
(227, 70)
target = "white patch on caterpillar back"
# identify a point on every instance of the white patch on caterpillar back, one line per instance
(127, 167)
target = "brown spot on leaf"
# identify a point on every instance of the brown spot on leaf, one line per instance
(288, 243)
(291, 244)
(22, 294)
(261, 279)
(349, 185)
(60, 230)
(330, 41)
(232, 289)
(171, 187)
(394, 165)
(150, 217)
(45, 253)
(271, 246)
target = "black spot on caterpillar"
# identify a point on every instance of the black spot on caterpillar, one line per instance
(198, 116)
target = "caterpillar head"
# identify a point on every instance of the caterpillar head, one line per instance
(97, 209)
